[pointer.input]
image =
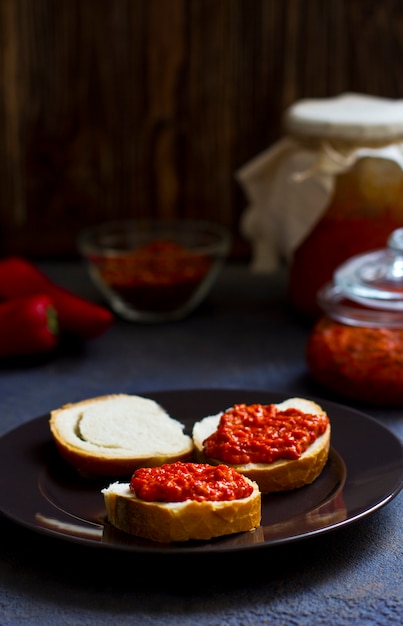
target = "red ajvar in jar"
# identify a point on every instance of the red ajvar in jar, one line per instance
(366, 206)
(364, 364)
(356, 347)
(358, 141)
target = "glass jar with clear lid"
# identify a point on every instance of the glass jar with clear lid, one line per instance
(358, 143)
(356, 346)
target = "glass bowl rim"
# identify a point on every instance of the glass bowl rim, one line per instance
(150, 229)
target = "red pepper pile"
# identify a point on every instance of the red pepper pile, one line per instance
(35, 312)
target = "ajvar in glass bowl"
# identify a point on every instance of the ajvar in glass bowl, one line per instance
(154, 270)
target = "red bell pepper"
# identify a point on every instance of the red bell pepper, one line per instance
(77, 316)
(28, 325)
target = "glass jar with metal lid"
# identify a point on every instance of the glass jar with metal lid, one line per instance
(357, 142)
(356, 347)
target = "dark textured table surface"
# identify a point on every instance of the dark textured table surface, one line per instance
(244, 337)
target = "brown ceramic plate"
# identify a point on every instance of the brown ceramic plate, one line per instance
(363, 473)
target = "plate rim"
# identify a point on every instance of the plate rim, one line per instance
(206, 548)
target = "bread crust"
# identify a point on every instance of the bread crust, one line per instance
(167, 522)
(94, 459)
(283, 474)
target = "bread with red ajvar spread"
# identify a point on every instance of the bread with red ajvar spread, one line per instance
(298, 467)
(167, 517)
(112, 435)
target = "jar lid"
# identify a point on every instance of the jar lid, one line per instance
(368, 288)
(349, 116)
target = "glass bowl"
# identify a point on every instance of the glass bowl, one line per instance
(153, 270)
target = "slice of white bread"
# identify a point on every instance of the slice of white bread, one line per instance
(282, 474)
(168, 522)
(112, 435)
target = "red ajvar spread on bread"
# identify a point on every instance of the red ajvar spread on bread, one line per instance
(177, 482)
(259, 433)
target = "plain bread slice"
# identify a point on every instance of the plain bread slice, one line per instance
(115, 434)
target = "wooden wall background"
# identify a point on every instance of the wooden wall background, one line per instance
(127, 108)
